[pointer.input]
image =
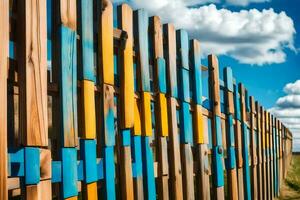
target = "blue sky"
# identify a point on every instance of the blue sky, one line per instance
(258, 39)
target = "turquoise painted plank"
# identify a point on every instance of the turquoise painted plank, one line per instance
(126, 137)
(86, 32)
(69, 172)
(109, 173)
(231, 161)
(184, 89)
(237, 106)
(228, 79)
(17, 162)
(196, 75)
(182, 41)
(100, 168)
(246, 168)
(80, 171)
(109, 126)
(88, 155)
(186, 131)
(161, 68)
(148, 170)
(218, 127)
(32, 165)
(218, 166)
(137, 166)
(68, 85)
(141, 37)
(56, 171)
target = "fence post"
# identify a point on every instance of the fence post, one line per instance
(217, 151)
(253, 145)
(259, 149)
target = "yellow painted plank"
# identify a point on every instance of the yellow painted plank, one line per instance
(106, 49)
(162, 111)
(91, 191)
(127, 75)
(137, 119)
(146, 114)
(198, 125)
(72, 198)
(89, 116)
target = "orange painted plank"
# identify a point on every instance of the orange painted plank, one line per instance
(146, 119)
(4, 46)
(198, 124)
(91, 192)
(137, 119)
(105, 43)
(162, 115)
(88, 110)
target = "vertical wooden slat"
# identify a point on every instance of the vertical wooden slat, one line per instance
(217, 150)
(253, 148)
(259, 151)
(161, 112)
(4, 53)
(231, 161)
(264, 152)
(246, 169)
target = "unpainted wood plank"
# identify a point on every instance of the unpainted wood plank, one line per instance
(126, 72)
(68, 13)
(188, 171)
(88, 110)
(32, 59)
(41, 191)
(105, 44)
(163, 168)
(232, 184)
(4, 61)
(259, 151)
(45, 164)
(156, 33)
(175, 162)
(126, 173)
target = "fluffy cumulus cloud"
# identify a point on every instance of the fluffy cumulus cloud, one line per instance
(249, 36)
(287, 109)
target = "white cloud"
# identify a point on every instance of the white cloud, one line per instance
(293, 88)
(249, 36)
(287, 109)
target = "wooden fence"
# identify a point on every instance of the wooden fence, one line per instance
(100, 101)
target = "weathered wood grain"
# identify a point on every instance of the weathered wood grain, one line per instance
(32, 59)
(68, 13)
(4, 61)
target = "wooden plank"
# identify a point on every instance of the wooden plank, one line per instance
(146, 119)
(156, 33)
(170, 56)
(188, 171)
(196, 71)
(90, 191)
(40, 191)
(253, 148)
(140, 19)
(126, 73)
(264, 159)
(105, 44)
(88, 110)
(109, 173)
(231, 161)
(259, 153)
(198, 125)
(32, 59)
(4, 61)
(217, 158)
(45, 164)
(182, 48)
(107, 135)
(138, 166)
(161, 115)
(163, 168)
(175, 162)
(245, 150)
(137, 129)
(86, 47)
(267, 129)
(184, 81)
(186, 132)
(68, 13)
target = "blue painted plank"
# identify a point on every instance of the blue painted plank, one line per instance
(186, 131)
(69, 172)
(161, 68)
(230, 131)
(246, 168)
(141, 37)
(137, 156)
(237, 107)
(184, 89)
(17, 162)
(126, 137)
(32, 165)
(196, 72)
(108, 118)
(109, 173)
(56, 171)
(87, 66)
(218, 127)
(80, 170)
(218, 166)
(100, 168)
(68, 86)
(88, 154)
(183, 48)
(148, 169)
(231, 161)
(228, 78)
